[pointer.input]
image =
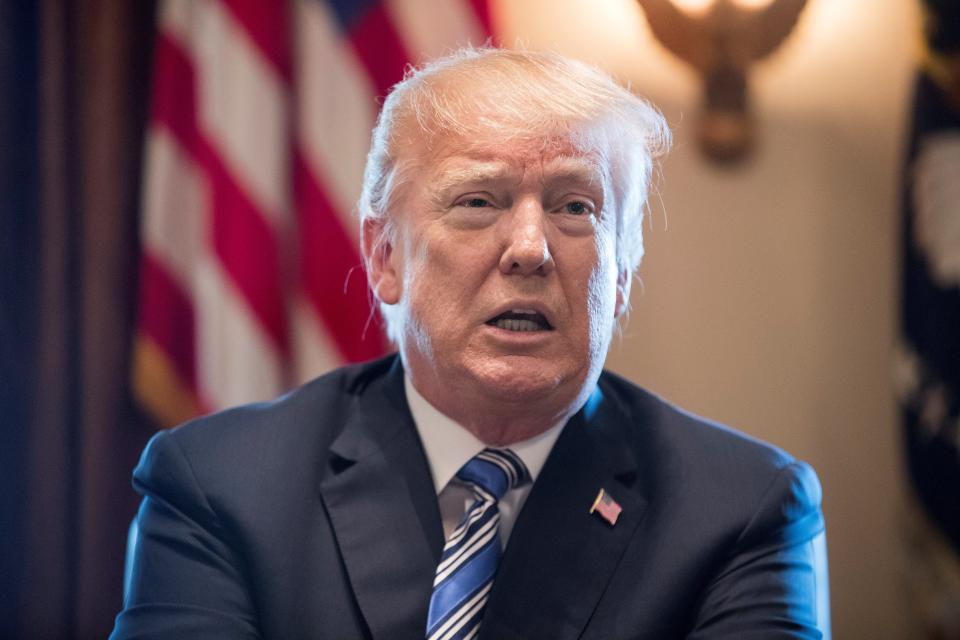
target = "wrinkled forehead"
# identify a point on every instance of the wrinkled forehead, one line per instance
(512, 163)
(567, 146)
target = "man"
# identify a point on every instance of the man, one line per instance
(490, 480)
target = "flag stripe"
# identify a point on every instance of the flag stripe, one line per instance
(335, 116)
(243, 240)
(433, 29)
(267, 25)
(481, 9)
(174, 90)
(174, 219)
(332, 269)
(309, 342)
(167, 317)
(237, 361)
(378, 45)
(247, 247)
(243, 112)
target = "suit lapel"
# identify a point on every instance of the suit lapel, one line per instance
(383, 508)
(560, 557)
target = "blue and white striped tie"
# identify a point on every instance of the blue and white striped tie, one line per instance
(470, 557)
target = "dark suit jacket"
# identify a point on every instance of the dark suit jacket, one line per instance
(315, 516)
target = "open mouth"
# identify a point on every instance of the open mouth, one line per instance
(520, 320)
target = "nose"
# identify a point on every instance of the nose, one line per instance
(527, 251)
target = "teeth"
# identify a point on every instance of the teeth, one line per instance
(517, 325)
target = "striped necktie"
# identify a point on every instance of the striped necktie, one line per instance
(470, 557)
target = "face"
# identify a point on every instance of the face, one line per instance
(502, 266)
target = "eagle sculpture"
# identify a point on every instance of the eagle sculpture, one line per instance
(721, 45)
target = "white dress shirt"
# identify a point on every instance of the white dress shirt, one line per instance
(449, 446)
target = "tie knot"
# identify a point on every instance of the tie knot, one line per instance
(495, 471)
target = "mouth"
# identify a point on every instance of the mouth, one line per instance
(521, 320)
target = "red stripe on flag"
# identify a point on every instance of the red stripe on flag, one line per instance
(268, 25)
(174, 90)
(378, 45)
(332, 271)
(246, 245)
(482, 10)
(166, 316)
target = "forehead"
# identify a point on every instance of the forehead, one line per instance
(511, 165)
(486, 152)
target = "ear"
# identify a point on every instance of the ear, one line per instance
(382, 274)
(624, 280)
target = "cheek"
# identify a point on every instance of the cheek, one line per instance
(430, 271)
(451, 265)
(431, 279)
(602, 294)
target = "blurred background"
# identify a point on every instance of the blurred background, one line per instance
(177, 181)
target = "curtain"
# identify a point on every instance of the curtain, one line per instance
(75, 82)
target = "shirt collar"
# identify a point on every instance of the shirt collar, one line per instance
(449, 446)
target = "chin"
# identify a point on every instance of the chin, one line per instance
(524, 378)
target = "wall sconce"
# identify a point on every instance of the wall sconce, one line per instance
(721, 39)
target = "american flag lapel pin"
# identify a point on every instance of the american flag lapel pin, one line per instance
(606, 507)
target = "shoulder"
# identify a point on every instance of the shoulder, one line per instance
(740, 514)
(256, 443)
(720, 471)
(679, 431)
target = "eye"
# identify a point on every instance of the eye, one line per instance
(473, 202)
(577, 208)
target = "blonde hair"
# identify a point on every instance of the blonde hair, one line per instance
(518, 95)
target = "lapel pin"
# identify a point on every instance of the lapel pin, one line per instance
(606, 507)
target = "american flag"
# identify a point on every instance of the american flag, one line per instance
(606, 507)
(251, 279)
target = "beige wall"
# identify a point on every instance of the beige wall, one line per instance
(770, 290)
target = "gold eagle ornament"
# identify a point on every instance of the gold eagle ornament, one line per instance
(721, 45)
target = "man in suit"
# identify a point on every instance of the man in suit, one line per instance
(490, 480)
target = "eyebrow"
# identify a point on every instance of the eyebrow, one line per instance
(477, 172)
(577, 169)
(559, 169)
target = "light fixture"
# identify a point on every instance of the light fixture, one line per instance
(752, 4)
(721, 39)
(696, 7)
